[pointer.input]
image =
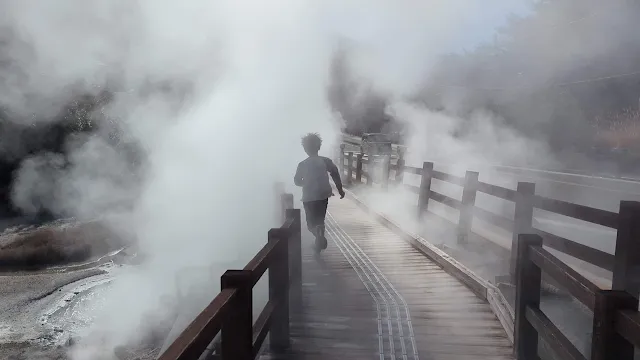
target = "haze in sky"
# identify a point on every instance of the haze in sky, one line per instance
(481, 26)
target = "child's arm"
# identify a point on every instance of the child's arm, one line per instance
(297, 179)
(335, 175)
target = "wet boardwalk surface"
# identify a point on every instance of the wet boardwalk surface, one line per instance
(371, 295)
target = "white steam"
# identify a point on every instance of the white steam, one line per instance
(256, 74)
(481, 139)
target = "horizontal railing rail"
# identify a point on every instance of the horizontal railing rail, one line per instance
(576, 211)
(615, 313)
(542, 173)
(230, 313)
(525, 201)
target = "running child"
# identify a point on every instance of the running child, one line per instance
(312, 175)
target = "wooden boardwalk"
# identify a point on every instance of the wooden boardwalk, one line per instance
(371, 295)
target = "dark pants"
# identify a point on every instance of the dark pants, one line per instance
(315, 212)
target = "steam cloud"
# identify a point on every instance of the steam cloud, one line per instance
(254, 75)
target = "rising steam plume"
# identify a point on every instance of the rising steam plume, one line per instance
(245, 80)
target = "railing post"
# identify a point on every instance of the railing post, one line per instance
(237, 329)
(295, 259)
(425, 188)
(626, 269)
(286, 202)
(606, 342)
(386, 162)
(341, 161)
(279, 290)
(359, 168)
(528, 279)
(370, 166)
(468, 202)
(400, 168)
(279, 189)
(522, 220)
(349, 179)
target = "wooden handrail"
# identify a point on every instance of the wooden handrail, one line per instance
(452, 179)
(526, 200)
(616, 325)
(579, 251)
(492, 218)
(198, 335)
(581, 288)
(497, 191)
(576, 211)
(230, 313)
(553, 336)
(627, 323)
(444, 199)
(616, 322)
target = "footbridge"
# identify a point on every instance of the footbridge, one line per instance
(385, 290)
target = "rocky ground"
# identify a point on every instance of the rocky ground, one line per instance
(44, 308)
(43, 316)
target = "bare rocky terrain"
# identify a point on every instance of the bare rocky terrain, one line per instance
(44, 308)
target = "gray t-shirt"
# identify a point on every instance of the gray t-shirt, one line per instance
(313, 175)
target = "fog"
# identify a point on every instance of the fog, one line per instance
(257, 74)
(252, 78)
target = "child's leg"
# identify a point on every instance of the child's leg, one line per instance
(309, 212)
(322, 212)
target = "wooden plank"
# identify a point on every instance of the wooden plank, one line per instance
(627, 254)
(439, 334)
(381, 242)
(577, 250)
(412, 170)
(444, 199)
(411, 188)
(452, 179)
(367, 263)
(483, 289)
(497, 191)
(627, 323)
(494, 219)
(259, 264)
(579, 286)
(553, 336)
(607, 343)
(261, 327)
(581, 212)
(528, 280)
(196, 337)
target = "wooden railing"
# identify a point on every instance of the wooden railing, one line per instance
(616, 325)
(231, 311)
(626, 221)
(616, 321)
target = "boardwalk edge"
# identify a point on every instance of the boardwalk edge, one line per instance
(482, 288)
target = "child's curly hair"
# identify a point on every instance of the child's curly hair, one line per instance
(312, 142)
